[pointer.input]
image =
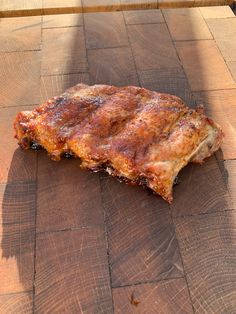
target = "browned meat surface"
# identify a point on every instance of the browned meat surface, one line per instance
(139, 135)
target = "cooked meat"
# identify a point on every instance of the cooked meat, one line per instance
(141, 136)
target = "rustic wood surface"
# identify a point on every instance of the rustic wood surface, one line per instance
(76, 242)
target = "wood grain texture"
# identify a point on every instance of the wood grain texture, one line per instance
(141, 236)
(204, 65)
(15, 164)
(201, 189)
(99, 35)
(20, 5)
(207, 244)
(171, 81)
(61, 53)
(186, 24)
(17, 230)
(56, 84)
(19, 76)
(169, 296)
(112, 66)
(145, 41)
(143, 17)
(202, 3)
(20, 33)
(221, 106)
(62, 20)
(72, 273)
(164, 4)
(138, 4)
(230, 178)
(224, 30)
(68, 197)
(100, 5)
(232, 68)
(61, 3)
(20, 303)
(216, 12)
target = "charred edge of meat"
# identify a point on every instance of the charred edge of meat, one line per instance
(35, 146)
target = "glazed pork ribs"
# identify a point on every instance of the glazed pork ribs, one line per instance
(140, 136)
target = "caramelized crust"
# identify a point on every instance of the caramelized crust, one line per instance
(139, 135)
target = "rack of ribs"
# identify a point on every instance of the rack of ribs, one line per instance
(140, 136)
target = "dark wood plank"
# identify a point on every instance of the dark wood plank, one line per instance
(168, 4)
(112, 66)
(63, 51)
(169, 296)
(141, 236)
(170, 81)
(208, 244)
(15, 164)
(204, 65)
(224, 32)
(230, 178)
(20, 33)
(54, 85)
(68, 197)
(72, 272)
(20, 303)
(186, 24)
(17, 234)
(201, 189)
(19, 76)
(148, 53)
(221, 106)
(143, 17)
(62, 20)
(101, 5)
(138, 4)
(99, 35)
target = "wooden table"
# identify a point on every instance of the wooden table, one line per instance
(76, 242)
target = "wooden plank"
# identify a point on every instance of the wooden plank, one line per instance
(208, 244)
(61, 53)
(202, 3)
(143, 17)
(221, 106)
(145, 41)
(141, 236)
(15, 164)
(101, 5)
(230, 178)
(216, 12)
(204, 65)
(68, 197)
(98, 35)
(201, 189)
(20, 303)
(169, 296)
(62, 20)
(72, 272)
(56, 84)
(138, 4)
(17, 234)
(186, 24)
(170, 81)
(20, 33)
(112, 66)
(224, 32)
(167, 4)
(19, 75)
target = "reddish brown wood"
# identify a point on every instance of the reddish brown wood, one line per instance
(200, 189)
(20, 303)
(72, 272)
(141, 236)
(208, 244)
(221, 106)
(230, 178)
(98, 35)
(148, 53)
(171, 81)
(61, 53)
(19, 76)
(169, 296)
(68, 197)
(15, 164)
(112, 66)
(17, 230)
